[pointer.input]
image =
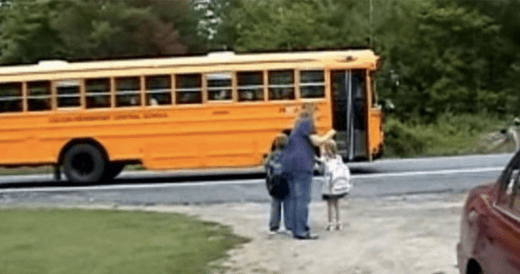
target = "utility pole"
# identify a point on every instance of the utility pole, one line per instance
(371, 9)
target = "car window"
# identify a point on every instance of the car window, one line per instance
(509, 195)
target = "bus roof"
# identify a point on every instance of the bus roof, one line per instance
(364, 58)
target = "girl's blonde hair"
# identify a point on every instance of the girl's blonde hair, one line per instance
(331, 148)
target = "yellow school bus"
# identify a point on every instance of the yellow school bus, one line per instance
(219, 110)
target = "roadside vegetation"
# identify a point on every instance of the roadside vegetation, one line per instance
(448, 135)
(45, 240)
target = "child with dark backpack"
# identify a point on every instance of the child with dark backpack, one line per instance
(276, 182)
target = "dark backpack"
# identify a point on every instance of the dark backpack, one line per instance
(276, 179)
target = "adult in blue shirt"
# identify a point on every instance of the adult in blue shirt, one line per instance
(298, 164)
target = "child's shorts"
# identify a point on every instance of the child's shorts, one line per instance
(332, 197)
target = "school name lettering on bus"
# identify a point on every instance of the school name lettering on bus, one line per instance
(294, 109)
(108, 117)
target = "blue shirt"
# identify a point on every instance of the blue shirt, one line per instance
(299, 153)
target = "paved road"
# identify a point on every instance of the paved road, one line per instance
(431, 164)
(380, 178)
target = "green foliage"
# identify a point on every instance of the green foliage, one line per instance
(444, 67)
(213, 21)
(402, 140)
(504, 55)
(439, 56)
(31, 30)
(100, 241)
(26, 33)
(292, 25)
(447, 135)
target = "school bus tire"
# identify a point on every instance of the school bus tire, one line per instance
(84, 164)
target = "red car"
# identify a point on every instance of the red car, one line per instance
(490, 226)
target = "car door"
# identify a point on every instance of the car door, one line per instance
(502, 227)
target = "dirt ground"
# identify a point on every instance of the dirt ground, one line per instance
(413, 234)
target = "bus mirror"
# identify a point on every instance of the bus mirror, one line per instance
(388, 105)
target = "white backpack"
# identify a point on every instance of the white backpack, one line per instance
(337, 176)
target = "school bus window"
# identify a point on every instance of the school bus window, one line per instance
(39, 96)
(11, 97)
(312, 84)
(68, 93)
(250, 86)
(188, 88)
(219, 86)
(158, 90)
(98, 93)
(128, 92)
(281, 85)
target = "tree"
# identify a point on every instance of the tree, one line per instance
(293, 25)
(117, 29)
(213, 17)
(504, 56)
(447, 63)
(31, 30)
(443, 55)
(26, 34)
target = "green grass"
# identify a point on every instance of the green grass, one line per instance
(105, 241)
(26, 170)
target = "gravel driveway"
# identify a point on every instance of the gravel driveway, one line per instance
(413, 234)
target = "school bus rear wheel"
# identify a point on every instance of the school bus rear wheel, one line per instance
(84, 164)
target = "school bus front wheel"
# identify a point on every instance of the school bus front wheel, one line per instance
(84, 164)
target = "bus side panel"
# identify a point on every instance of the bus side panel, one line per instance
(216, 136)
(239, 136)
(201, 151)
(114, 138)
(376, 131)
(15, 150)
(227, 136)
(21, 141)
(177, 152)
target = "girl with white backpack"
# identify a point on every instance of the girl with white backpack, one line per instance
(337, 181)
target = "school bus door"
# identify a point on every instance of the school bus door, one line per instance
(349, 113)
